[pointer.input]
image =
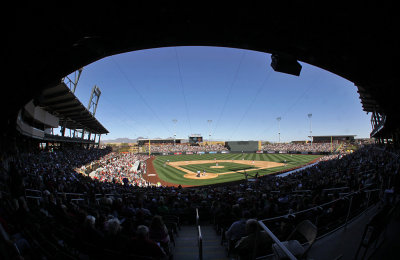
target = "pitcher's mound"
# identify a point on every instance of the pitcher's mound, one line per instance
(217, 167)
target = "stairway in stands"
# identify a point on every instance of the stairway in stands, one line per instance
(186, 247)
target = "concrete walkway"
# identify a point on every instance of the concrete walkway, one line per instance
(343, 244)
(187, 246)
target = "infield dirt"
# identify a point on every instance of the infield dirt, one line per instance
(192, 175)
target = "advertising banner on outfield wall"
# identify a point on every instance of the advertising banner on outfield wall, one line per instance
(189, 152)
(212, 152)
(260, 152)
(177, 153)
(224, 151)
(200, 152)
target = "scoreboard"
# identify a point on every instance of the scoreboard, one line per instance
(243, 146)
(195, 139)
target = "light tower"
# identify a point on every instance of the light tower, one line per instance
(309, 116)
(279, 128)
(174, 120)
(92, 106)
(209, 127)
(94, 99)
(73, 83)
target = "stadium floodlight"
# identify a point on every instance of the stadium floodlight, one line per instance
(309, 116)
(209, 133)
(279, 128)
(174, 120)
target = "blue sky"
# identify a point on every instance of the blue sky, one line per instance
(143, 91)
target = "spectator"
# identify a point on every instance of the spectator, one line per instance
(113, 237)
(141, 244)
(159, 233)
(255, 243)
(89, 232)
(237, 230)
(56, 175)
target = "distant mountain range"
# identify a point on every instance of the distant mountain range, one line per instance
(119, 140)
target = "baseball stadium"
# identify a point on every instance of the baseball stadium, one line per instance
(255, 135)
(206, 168)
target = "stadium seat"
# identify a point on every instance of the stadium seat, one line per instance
(308, 230)
(172, 219)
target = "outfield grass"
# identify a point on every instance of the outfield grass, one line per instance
(173, 175)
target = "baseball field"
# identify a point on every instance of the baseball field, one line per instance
(205, 169)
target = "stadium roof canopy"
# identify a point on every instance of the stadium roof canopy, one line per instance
(368, 102)
(357, 42)
(60, 101)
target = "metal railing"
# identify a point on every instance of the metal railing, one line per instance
(38, 194)
(277, 241)
(301, 191)
(335, 189)
(199, 236)
(73, 196)
(197, 217)
(328, 217)
(200, 243)
(33, 194)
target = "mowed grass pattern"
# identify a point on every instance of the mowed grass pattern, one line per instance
(173, 175)
(228, 167)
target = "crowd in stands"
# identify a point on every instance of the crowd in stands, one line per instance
(298, 147)
(110, 220)
(166, 148)
(275, 147)
(115, 167)
(369, 168)
(330, 157)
